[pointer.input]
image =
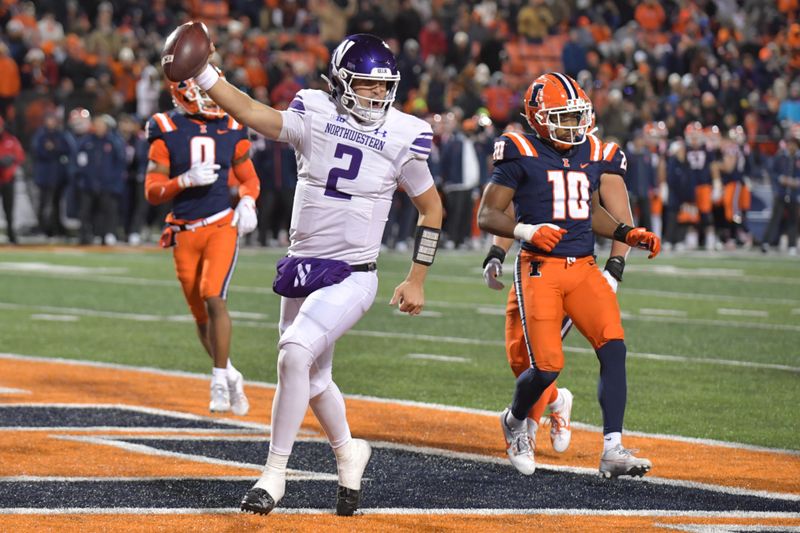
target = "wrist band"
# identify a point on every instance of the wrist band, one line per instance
(207, 78)
(615, 266)
(622, 232)
(495, 252)
(426, 240)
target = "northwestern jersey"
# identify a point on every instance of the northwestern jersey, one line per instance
(556, 187)
(347, 176)
(190, 141)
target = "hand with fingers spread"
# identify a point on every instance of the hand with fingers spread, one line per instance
(543, 236)
(200, 175)
(244, 216)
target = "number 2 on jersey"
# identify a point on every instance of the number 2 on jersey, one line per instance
(349, 173)
(572, 196)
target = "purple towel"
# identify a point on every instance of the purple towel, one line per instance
(300, 276)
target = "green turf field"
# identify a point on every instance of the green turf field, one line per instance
(713, 340)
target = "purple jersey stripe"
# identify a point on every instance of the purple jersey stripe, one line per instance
(422, 142)
(297, 105)
(419, 150)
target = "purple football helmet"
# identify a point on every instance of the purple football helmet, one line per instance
(363, 57)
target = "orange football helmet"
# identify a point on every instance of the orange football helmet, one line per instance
(193, 100)
(549, 101)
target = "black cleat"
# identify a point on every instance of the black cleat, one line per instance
(257, 501)
(347, 501)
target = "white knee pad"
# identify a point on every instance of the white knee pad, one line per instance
(294, 359)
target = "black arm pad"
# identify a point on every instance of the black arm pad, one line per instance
(615, 265)
(621, 232)
(495, 252)
(426, 240)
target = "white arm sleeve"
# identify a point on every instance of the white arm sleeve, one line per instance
(293, 130)
(415, 177)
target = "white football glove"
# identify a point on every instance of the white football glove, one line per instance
(199, 175)
(245, 216)
(492, 271)
(611, 280)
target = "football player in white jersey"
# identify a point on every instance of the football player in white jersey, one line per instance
(353, 150)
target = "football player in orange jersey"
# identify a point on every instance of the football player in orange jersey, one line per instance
(554, 178)
(191, 147)
(558, 400)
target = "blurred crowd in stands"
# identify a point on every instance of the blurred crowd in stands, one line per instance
(698, 92)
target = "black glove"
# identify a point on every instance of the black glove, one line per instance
(615, 266)
(494, 252)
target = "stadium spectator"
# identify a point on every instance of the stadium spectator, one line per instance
(786, 195)
(11, 157)
(276, 166)
(51, 149)
(534, 21)
(461, 175)
(100, 163)
(10, 83)
(134, 205)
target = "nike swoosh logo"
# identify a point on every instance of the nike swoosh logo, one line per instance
(584, 165)
(222, 131)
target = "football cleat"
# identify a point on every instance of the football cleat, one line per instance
(351, 470)
(560, 430)
(239, 404)
(519, 446)
(619, 461)
(257, 501)
(220, 400)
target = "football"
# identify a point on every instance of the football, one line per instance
(186, 51)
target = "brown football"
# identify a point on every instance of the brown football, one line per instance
(186, 51)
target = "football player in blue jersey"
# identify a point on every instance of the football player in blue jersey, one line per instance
(190, 148)
(553, 179)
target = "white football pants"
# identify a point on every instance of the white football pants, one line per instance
(309, 329)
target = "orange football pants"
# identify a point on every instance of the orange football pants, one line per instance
(557, 287)
(204, 261)
(730, 202)
(702, 196)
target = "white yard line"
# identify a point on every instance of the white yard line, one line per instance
(662, 312)
(742, 312)
(443, 358)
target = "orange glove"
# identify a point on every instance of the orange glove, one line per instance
(646, 240)
(543, 236)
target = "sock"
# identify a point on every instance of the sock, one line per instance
(219, 375)
(533, 427)
(230, 368)
(273, 479)
(345, 455)
(611, 440)
(612, 388)
(514, 423)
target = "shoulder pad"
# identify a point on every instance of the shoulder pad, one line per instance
(512, 145)
(158, 125)
(421, 136)
(233, 125)
(311, 100)
(614, 160)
